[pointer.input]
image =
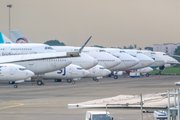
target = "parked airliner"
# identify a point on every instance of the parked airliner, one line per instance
(158, 61)
(11, 72)
(69, 73)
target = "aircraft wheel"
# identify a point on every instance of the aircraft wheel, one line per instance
(73, 82)
(69, 80)
(97, 80)
(39, 82)
(115, 77)
(147, 75)
(15, 86)
(94, 79)
(109, 75)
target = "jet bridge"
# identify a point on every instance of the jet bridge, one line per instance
(166, 101)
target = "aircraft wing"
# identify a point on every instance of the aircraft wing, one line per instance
(40, 56)
(173, 63)
(32, 57)
(175, 55)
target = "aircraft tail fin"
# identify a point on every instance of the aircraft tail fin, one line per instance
(18, 37)
(4, 39)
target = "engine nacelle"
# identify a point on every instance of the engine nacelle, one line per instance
(177, 83)
(13, 72)
(162, 68)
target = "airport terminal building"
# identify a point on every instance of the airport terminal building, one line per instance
(168, 48)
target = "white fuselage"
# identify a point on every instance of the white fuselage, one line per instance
(98, 71)
(11, 72)
(144, 61)
(158, 61)
(69, 72)
(167, 58)
(127, 60)
(145, 70)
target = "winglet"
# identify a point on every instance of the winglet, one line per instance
(84, 45)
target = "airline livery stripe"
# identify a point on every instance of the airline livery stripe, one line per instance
(1, 38)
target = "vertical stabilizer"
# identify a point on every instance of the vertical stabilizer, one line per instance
(18, 37)
(4, 39)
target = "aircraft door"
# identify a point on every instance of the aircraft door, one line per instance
(11, 70)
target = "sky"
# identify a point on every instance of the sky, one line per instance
(111, 23)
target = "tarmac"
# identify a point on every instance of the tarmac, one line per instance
(50, 101)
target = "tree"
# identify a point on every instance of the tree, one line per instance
(54, 43)
(149, 48)
(131, 47)
(125, 47)
(177, 51)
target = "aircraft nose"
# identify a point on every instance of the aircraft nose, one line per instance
(136, 61)
(151, 61)
(117, 61)
(107, 71)
(95, 62)
(150, 69)
(85, 72)
(29, 73)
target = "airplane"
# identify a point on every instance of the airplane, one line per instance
(39, 63)
(169, 61)
(158, 61)
(97, 72)
(69, 73)
(11, 72)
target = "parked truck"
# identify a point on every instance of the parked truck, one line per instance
(98, 115)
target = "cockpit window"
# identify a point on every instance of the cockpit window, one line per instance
(102, 51)
(153, 53)
(102, 68)
(139, 52)
(164, 54)
(22, 69)
(122, 52)
(48, 48)
(79, 68)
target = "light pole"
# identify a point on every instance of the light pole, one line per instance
(9, 18)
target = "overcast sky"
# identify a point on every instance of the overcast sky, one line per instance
(109, 22)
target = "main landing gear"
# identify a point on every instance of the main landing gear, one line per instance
(115, 77)
(15, 86)
(95, 79)
(71, 81)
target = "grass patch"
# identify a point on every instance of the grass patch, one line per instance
(169, 70)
